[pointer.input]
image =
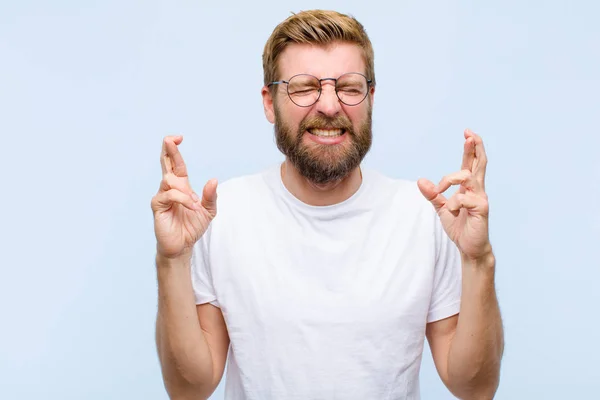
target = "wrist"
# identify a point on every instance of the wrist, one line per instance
(485, 260)
(180, 261)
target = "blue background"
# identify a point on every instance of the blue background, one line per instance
(89, 88)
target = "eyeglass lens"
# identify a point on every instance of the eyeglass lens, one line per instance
(304, 90)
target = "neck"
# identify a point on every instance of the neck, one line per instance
(319, 195)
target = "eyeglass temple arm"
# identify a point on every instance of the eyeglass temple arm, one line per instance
(277, 82)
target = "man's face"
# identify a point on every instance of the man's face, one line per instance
(327, 140)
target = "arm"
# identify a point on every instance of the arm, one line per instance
(467, 348)
(192, 341)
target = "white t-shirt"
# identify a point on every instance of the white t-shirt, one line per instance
(325, 302)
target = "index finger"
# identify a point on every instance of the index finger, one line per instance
(177, 164)
(166, 161)
(480, 161)
(468, 154)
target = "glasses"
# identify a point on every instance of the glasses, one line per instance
(305, 90)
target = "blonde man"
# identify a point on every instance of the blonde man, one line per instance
(319, 278)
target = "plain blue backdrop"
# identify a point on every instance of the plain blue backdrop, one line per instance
(89, 88)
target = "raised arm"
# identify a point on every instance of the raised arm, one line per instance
(192, 341)
(467, 349)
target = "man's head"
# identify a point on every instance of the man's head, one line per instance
(324, 133)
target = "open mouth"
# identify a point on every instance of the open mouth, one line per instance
(328, 133)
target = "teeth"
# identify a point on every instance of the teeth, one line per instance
(326, 132)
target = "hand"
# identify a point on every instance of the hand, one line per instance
(464, 216)
(180, 216)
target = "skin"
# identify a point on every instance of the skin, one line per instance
(467, 348)
(192, 341)
(331, 61)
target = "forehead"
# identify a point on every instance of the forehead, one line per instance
(321, 61)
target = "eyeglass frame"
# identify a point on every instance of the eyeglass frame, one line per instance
(335, 80)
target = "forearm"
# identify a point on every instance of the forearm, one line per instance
(477, 347)
(183, 351)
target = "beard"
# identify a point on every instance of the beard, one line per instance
(321, 163)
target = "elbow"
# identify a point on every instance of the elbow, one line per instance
(187, 391)
(480, 385)
(479, 393)
(186, 383)
(191, 381)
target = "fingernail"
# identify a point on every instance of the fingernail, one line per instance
(195, 197)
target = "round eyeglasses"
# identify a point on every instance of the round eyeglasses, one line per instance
(305, 90)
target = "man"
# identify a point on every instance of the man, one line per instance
(323, 276)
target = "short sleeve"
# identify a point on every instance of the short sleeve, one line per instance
(202, 281)
(447, 284)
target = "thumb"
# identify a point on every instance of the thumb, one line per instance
(428, 190)
(209, 197)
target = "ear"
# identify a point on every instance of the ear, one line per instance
(268, 104)
(372, 94)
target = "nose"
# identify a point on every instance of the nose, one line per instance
(328, 103)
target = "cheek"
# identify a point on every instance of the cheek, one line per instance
(292, 116)
(357, 115)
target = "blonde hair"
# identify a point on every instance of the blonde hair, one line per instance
(316, 27)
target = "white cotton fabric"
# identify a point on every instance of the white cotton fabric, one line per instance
(325, 302)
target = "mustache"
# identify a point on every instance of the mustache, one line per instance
(323, 122)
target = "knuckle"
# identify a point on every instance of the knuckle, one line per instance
(164, 185)
(168, 179)
(170, 194)
(156, 201)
